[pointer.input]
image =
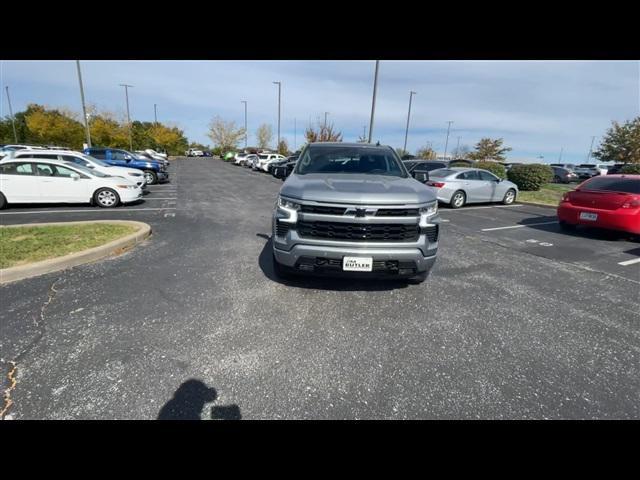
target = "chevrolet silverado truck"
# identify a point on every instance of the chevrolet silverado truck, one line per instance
(352, 209)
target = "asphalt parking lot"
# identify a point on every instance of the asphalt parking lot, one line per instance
(518, 320)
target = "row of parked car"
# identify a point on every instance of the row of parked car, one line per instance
(569, 172)
(106, 177)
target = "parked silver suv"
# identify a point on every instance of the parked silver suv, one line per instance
(353, 209)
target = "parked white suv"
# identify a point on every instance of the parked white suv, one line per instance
(192, 152)
(133, 174)
(266, 159)
(32, 180)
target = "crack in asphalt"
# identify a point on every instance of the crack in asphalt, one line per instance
(11, 376)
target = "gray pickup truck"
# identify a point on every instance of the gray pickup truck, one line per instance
(352, 209)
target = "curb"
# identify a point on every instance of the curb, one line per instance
(537, 204)
(114, 247)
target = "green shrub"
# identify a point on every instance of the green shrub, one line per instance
(530, 177)
(497, 169)
(631, 168)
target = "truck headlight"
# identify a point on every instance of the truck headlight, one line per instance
(430, 209)
(284, 203)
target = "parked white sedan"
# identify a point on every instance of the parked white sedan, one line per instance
(133, 174)
(459, 186)
(52, 181)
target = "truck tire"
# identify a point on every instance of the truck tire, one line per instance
(419, 278)
(150, 177)
(3, 201)
(280, 270)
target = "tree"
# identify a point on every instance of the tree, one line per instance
(621, 143)
(426, 152)
(461, 152)
(264, 134)
(54, 126)
(106, 131)
(225, 134)
(489, 149)
(322, 133)
(283, 148)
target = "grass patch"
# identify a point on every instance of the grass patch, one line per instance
(549, 194)
(22, 245)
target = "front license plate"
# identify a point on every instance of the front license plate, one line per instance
(357, 264)
(588, 216)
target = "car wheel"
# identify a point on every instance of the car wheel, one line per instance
(106, 198)
(509, 197)
(150, 177)
(280, 270)
(3, 201)
(567, 227)
(458, 199)
(557, 179)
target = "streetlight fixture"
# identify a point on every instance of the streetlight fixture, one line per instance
(126, 94)
(13, 123)
(84, 108)
(245, 123)
(279, 92)
(373, 101)
(406, 132)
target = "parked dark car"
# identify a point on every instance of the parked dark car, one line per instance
(564, 175)
(615, 168)
(286, 168)
(424, 165)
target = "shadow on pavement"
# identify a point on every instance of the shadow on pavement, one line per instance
(323, 283)
(189, 400)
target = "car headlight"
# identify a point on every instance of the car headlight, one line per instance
(134, 174)
(284, 203)
(126, 186)
(431, 209)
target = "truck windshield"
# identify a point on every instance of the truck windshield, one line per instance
(338, 159)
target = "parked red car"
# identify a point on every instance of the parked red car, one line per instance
(611, 202)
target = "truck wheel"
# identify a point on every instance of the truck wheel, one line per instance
(150, 177)
(106, 198)
(3, 201)
(419, 278)
(458, 199)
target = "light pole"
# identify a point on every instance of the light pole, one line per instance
(279, 91)
(84, 108)
(126, 94)
(13, 123)
(590, 149)
(446, 143)
(373, 101)
(155, 112)
(406, 132)
(560, 157)
(246, 136)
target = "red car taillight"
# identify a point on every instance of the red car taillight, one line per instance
(633, 203)
(436, 184)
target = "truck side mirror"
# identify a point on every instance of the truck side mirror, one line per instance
(421, 176)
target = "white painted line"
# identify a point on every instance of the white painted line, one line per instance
(160, 198)
(464, 209)
(93, 210)
(517, 226)
(629, 262)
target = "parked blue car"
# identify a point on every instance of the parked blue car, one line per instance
(154, 172)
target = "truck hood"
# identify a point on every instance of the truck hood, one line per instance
(364, 189)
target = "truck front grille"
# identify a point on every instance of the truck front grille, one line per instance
(358, 232)
(431, 233)
(282, 228)
(397, 212)
(322, 210)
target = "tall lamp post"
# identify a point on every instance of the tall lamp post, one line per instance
(246, 136)
(13, 122)
(84, 108)
(373, 101)
(446, 143)
(279, 91)
(406, 132)
(590, 149)
(126, 94)
(155, 112)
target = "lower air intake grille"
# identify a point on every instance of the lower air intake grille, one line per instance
(282, 228)
(359, 232)
(431, 233)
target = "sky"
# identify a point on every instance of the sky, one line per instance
(538, 107)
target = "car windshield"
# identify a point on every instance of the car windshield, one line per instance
(88, 171)
(94, 160)
(608, 184)
(339, 159)
(442, 172)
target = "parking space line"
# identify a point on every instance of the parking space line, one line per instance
(107, 210)
(477, 208)
(629, 262)
(161, 198)
(518, 226)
